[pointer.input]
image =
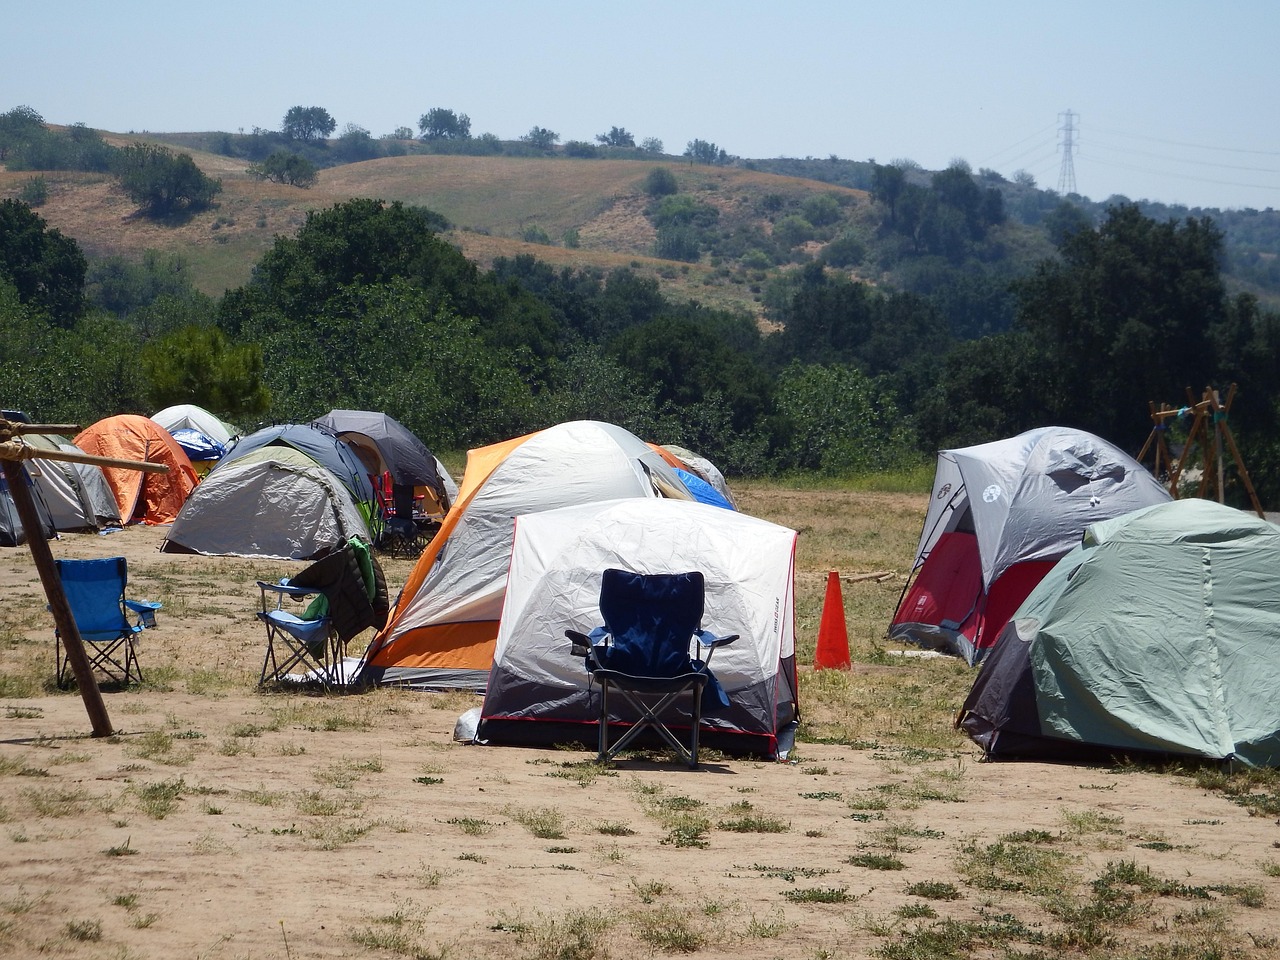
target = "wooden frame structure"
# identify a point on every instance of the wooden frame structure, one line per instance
(13, 450)
(1210, 412)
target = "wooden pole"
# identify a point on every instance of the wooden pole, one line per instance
(62, 616)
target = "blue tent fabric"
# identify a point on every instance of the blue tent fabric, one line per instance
(319, 444)
(702, 491)
(197, 445)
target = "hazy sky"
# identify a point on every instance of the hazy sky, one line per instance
(1173, 100)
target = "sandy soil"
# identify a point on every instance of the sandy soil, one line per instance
(222, 822)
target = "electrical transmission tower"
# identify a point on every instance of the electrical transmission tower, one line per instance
(1068, 129)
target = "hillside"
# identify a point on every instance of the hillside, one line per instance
(491, 201)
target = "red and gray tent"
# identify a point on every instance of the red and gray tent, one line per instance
(1000, 515)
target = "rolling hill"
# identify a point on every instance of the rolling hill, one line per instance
(491, 201)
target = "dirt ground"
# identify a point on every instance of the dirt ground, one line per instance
(220, 822)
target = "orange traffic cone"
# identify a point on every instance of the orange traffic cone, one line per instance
(833, 633)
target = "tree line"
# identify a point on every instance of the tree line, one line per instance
(367, 306)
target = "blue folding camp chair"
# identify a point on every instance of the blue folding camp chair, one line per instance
(95, 592)
(644, 652)
(308, 642)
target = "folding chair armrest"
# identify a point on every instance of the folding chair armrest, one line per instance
(708, 639)
(580, 645)
(146, 611)
(287, 589)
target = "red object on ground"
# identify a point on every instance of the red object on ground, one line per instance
(833, 632)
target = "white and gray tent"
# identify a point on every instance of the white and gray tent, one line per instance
(272, 502)
(76, 494)
(538, 692)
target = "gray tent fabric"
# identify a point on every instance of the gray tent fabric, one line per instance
(1031, 496)
(272, 502)
(403, 455)
(76, 494)
(319, 444)
(12, 532)
(1157, 635)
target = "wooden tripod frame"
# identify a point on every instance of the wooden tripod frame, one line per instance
(1209, 410)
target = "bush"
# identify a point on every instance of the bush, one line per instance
(34, 192)
(581, 149)
(660, 182)
(792, 230)
(286, 167)
(535, 234)
(162, 182)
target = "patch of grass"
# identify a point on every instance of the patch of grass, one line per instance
(688, 831)
(753, 824)
(876, 861)
(158, 747)
(933, 890)
(789, 874)
(576, 935)
(823, 795)
(668, 929)
(328, 835)
(428, 781)
(395, 932)
(316, 803)
(770, 929)
(1014, 866)
(916, 911)
(583, 772)
(545, 823)
(648, 891)
(819, 895)
(85, 931)
(472, 857)
(121, 850)
(158, 800)
(614, 828)
(57, 802)
(471, 826)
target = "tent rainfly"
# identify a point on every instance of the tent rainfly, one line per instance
(272, 502)
(1000, 515)
(1156, 636)
(144, 497)
(442, 629)
(538, 693)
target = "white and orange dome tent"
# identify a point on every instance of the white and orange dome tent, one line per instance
(442, 629)
(142, 497)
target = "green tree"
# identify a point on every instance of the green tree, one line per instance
(162, 182)
(540, 138)
(440, 123)
(840, 421)
(19, 127)
(616, 137)
(308, 124)
(703, 151)
(355, 144)
(47, 269)
(285, 166)
(660, 182)
(887, 184)
(199, 365)
(123, 285)
(1126, 317)
(651, 145)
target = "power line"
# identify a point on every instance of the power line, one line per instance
(1195, 146)
(1182, 176)
(1198, 163)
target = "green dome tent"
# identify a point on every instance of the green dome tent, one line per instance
(1159, 634)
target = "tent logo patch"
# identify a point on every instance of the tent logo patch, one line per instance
(992, 493)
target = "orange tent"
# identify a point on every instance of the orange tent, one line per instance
(442, 630)
(142, 497)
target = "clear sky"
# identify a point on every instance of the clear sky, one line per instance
(1173, 100)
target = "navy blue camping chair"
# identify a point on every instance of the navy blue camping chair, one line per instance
(95, 592)
(646, 652)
